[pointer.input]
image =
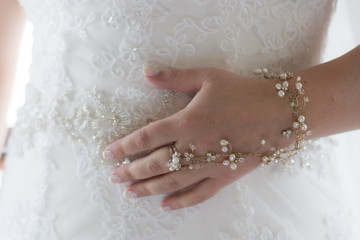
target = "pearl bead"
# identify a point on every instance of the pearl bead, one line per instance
(281, 93)
(232, 157)
(298, 79)
(298, 86)
(233, 166)
(224, 142)
(286, 84)
(304, 127)
(226, 162)
(301, 118)
(283, 75)
(278, 86)
(224, 149)
(257, 71)
(296, 125)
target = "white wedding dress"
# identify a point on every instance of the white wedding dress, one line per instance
(87, 89)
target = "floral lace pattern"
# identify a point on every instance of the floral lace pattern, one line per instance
(91, 53)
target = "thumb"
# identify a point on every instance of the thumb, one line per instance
(182, 80)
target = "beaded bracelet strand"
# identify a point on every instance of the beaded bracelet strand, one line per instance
(285, 156)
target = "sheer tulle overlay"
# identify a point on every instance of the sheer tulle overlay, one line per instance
(87, 89)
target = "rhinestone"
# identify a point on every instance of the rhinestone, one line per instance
(304, 127)
(265, 159)
(263, 142)
(241, 160)
(191, 167)
(309, 133)
(298, 79)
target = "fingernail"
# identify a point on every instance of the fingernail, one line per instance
(108, 154)
(148, 71)
(165, 208)
(131, 194)
(115, 179)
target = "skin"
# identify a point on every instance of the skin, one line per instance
(334, 92)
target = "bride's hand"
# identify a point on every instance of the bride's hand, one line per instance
(226, 106)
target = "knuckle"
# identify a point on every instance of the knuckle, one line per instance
(153, 167)
(209, 73)
(142, 138)
(172, 184)
(126, 173)
(118, 149)
(186, 122)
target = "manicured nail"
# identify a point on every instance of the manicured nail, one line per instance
(148, 71)
(131, 194)
(115, 179)
(108, 154)
(165, 208)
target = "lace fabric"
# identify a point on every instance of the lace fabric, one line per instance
(87, 90)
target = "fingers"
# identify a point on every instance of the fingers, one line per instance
(166, 183)
(196, 195)
(183, 80)
(143, 168)
(152, 136)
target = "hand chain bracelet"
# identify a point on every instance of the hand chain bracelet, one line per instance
(285, 156)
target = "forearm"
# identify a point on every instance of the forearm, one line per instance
(334, 92)
(11, 26)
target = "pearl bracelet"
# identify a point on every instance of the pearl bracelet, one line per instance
(273, 155)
